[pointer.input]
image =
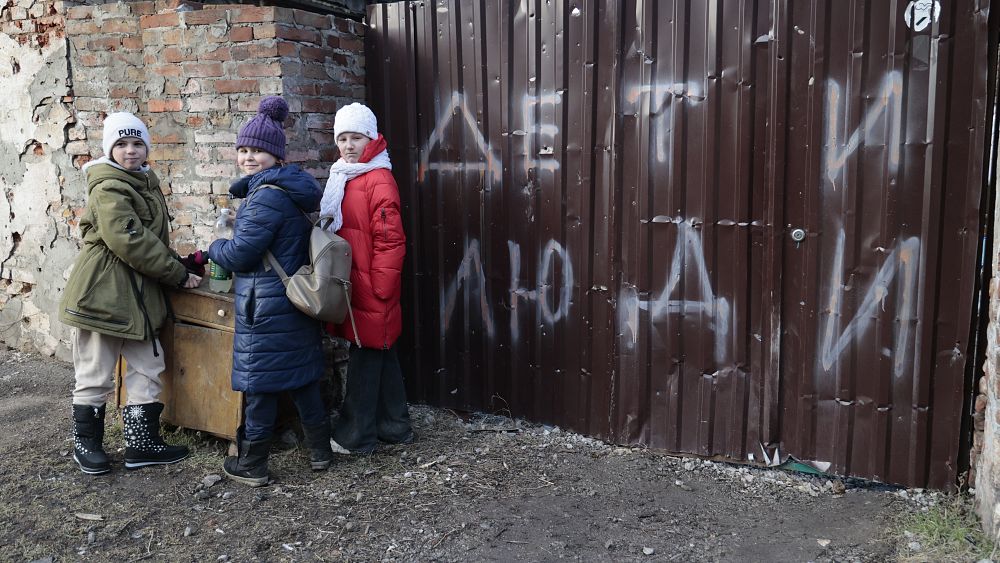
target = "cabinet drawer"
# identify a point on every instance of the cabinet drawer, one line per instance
(197, 306)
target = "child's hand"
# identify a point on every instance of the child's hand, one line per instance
(195, 262)
(192, 281)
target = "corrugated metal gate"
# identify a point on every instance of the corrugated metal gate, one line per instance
(604, 202)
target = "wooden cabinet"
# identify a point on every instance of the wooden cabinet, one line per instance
(198, 348)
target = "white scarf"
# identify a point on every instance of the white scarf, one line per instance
(340, 173)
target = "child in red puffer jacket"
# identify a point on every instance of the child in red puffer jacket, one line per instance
(363, 199)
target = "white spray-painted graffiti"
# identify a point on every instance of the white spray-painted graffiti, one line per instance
(688, 251)
(470, 272)
(884, 114)
(904, 259)
(491, 164)
(887, 112)
(882, 122)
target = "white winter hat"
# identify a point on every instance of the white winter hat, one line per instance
(124, 124)
(356, 118)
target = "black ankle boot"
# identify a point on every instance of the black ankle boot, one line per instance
(318, 442)
(143, 444)
(249, 466)
(88, 439)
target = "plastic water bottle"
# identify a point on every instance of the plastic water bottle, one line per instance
(220, 280)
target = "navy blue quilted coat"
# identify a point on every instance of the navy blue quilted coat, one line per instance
(276, 347)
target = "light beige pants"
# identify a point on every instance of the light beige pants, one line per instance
(94, 359)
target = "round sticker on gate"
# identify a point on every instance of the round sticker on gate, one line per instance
(920, 14)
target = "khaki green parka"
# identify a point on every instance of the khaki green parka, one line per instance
(125, 232)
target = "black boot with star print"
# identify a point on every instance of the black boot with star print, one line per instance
(143, 444)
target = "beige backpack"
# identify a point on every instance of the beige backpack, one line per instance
(321, 288)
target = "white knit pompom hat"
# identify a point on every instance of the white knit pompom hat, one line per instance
(124, 124)
(355, 118)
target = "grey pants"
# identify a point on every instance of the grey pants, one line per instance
(94, 359)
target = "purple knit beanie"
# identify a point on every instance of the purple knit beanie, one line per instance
(264, 130)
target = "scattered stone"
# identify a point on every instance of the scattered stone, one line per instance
(91, 536)
(89, 516)
(648, 551)
(349, 527)
(202, 495)
(914, 546)
(227, 495)
(188, 531)
(609, 544)
(210, 480)
(823, 543)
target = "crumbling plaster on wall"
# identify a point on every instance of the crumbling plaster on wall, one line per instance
(35, 242)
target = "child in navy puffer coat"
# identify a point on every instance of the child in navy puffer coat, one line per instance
(277, 348)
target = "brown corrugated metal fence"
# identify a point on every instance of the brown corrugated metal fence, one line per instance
(603, 201)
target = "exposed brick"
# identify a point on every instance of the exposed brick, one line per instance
(203, 17)
(334, 88)
(169, 152)
(220, 54)
(240, 34)
(159, 20)
(320, 122)
(288, 50)
(213, 170)
(298, 34)
(319, 105)
(248, 104)
(301, 89)
(166, 138)
(265, 31)
(142, 8)
(198, 104)
(255, 51)
(252, 15)
(166, 70)
(195, 120)
(129, 92)
(79, 161)
(333, 41)
(132, 42)
(104, 44)
(235, 86)
(353, 45)
(315, 71)
(82, 27)
(257, 69)
(172, 36)
(309, 19)
(313, 54)
(175, 55)
(80, 12)
(203, 69)
(119, 26)
(93, 59)
(160, 106)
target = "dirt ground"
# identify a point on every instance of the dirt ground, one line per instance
(470, 489)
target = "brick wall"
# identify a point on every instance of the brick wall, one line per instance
(193, 72)
(196, 76)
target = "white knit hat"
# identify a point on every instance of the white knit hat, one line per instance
(124, 124)
(356, 118)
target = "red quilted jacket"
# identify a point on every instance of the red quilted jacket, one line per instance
(374, 228)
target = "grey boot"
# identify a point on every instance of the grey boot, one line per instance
(88, 439)
(143, 444)
(249, 466)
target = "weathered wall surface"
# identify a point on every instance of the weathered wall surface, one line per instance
(194, 73)
(985, 462)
